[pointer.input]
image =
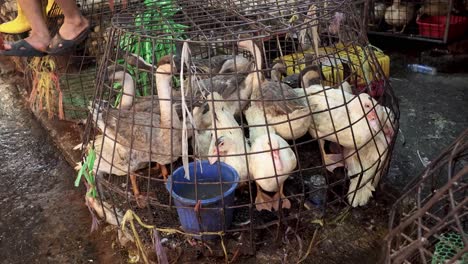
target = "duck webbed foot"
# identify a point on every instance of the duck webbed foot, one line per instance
(285, 203)
(403, 29)
(262, 201)
(139, 198)
(164, 171)
(333, 161)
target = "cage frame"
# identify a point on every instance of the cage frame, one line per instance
(112, 55)
(369, 7)
(401, 244)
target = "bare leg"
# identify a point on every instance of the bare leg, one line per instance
(403, 29)
(74, 22)
(285, 203)
(39, 37)
(136, 192)
(155, 170)
(262, 201)
(164, 171)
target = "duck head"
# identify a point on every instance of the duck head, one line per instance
(274, 146)
(220, 148)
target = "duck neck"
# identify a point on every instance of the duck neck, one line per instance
(275, 75)
(128, 89)
(258, 130)
(256, 119)
(257, 56)
(255, 78)
(163, 85)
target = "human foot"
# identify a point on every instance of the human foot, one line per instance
(71, 28)
(37, 41)
(72, 33)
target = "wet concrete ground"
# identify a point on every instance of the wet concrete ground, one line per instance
(43, 218)
(434, 111)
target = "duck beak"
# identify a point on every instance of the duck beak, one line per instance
(244, 45)
(372, 115)
(214, 157)
(373, 122)
(111, 71)
(215, 152)
(389, 132)
(277, 160)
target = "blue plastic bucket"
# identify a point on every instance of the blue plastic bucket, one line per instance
(208, 190)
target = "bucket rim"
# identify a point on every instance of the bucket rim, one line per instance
(215, 199)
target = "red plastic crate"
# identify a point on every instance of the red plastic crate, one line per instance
(434, 27)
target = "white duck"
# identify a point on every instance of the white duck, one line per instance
(270, 161)
(330, 115)
(399, 14)
(228, 143)
(330, 121)
(145, 132)
(284, 110)
(369, 160)
(379, 12)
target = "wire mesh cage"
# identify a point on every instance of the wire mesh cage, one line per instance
(439, 21)
(64, 84)
(234, 119)
(428, 224)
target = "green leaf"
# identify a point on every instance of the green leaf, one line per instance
(117, 100)
(91, 192)
(117, 86)
(80, 173)
(86, 176)
(92, 158)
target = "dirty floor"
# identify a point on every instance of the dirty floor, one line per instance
(434, 111)
(43, 218)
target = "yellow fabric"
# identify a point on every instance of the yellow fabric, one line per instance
(331, 66)
(20, 24)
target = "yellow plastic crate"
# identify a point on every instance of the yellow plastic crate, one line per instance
(332, 63)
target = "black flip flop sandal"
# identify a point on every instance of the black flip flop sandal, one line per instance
(22, 49)
(61, 46)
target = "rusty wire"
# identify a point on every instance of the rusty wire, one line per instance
(77, 69)
(433, 204)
